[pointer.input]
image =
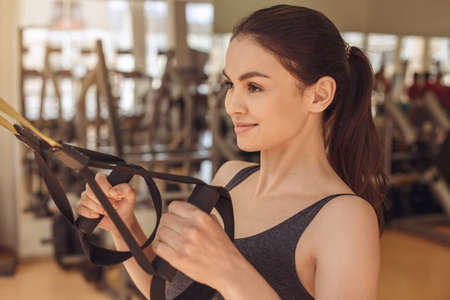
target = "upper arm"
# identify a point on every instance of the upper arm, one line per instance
(348, 253)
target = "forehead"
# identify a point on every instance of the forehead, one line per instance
(244, 54)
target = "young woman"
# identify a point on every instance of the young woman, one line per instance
(309, 216)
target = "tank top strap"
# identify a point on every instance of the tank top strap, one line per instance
(241, 176)
(311, 211)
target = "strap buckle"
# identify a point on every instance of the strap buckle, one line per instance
(72, 158)
(28, 138)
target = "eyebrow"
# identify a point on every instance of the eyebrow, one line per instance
(247, 75)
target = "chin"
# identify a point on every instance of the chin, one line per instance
(248, 147)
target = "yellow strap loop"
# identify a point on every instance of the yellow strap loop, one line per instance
(8, 125)
(8, 110)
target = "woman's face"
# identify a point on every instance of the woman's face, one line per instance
(263, 99)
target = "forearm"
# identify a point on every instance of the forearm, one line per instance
(140, 278)
(246, 283)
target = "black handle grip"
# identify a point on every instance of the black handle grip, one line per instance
(87, 225)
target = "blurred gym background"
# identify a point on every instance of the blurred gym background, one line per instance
(141, 79)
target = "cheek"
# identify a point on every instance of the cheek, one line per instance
(226, 102)
(285, 119)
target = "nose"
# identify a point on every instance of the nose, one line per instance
(235, 103)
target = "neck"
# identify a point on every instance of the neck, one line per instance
(298, 166)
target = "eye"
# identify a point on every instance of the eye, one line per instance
(229, 84)
(254, 88)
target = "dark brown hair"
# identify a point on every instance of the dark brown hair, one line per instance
(309, 46)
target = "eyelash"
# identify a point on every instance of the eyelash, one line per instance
(251, 87)
(254, 88)
(229, 84)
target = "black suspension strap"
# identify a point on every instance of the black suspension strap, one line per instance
(204, 196)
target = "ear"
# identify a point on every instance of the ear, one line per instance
(323, 93)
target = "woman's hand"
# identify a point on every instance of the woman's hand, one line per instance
(121, 196)
(193, 242)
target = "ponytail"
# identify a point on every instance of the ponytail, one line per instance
(354, 147)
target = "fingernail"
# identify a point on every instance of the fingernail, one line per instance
(94, 215)
(115, 205)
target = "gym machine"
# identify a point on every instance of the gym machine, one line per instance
(418, 166)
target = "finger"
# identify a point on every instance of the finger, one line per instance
(86, 211)
(184, 209)
(174, 223)
(194, 216)
(90, 194)
(104, 185)
(164, 251)
(123, 191)
(168, 236)
(91, 204)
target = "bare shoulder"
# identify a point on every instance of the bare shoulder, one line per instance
(347, 249)
(349, 211)
(228, 170)
(350, 218)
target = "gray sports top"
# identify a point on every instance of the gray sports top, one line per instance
(271, 252)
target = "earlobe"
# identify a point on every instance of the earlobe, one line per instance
(324, 91)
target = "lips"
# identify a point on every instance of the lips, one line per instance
(241, 127)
